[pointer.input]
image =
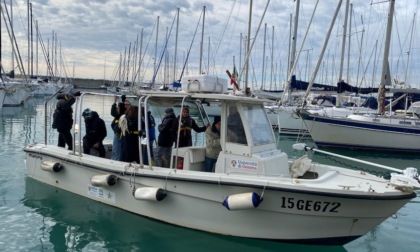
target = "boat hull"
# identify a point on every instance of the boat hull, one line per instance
(288, 213)
(346, 133)
(285, 118)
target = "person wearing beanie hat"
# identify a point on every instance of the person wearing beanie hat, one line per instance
(169, 110)
(188, 124)
(166, 138)
(95, 132)
(87, 113)
(213, 147)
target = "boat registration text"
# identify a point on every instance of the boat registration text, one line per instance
(310, 205)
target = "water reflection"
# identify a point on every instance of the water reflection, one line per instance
(69, 222)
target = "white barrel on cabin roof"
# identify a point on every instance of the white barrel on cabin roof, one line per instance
(204, 84)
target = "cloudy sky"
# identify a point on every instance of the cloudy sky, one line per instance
(95, 36)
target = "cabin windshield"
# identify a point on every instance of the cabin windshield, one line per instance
(235, 126)
(260, 127)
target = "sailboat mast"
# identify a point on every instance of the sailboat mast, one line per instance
(140, 56)
(13, 32)
(202, 40)
(272, 58)
(343, 45)
(29, 40)
(176, 42)
(263, 63)
(154, 62)
(409, 49)
(343, 49)
(248, 46)
(315, 72)
(294, 37)
(385, 70)
(349, 44)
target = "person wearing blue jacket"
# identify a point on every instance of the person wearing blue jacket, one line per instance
(95, 132)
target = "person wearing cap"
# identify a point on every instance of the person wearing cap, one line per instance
(117, 110)
(188, 124)
(213, 147)
(95, 132)
(63, 118)
(166, 138)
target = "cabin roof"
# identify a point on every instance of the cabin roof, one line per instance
(208, 96)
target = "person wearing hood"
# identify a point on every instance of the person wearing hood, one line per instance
(95, 132)
(63, 118)
(213, 147)
(166, 138)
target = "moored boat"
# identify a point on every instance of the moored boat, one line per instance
(254, 192)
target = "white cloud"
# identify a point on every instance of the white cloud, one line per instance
(94, 31)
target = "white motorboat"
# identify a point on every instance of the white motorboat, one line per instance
(255, 191)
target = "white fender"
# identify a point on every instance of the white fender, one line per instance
(242, 201)
(150, 193)
(51, 166)
(103, 180)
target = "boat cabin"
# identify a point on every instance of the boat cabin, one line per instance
(246, 136)
(247, 139)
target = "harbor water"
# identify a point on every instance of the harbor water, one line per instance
(38, 217)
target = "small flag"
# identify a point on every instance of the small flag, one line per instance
(234, 76)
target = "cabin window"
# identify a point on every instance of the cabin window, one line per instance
(405, 123)
(261, 131)
(235, 126)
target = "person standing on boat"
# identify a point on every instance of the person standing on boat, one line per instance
(63, 118)
(152, 134)
(130, 147)
(213, 147)
(166, 138)
(95, 132)
(188, 124)
(117, 110)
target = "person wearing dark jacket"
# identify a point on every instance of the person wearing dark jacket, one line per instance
(166, 138)
(63, 119)
(152, 135)
(117, 110)
(188, 124)
(130, 147)
(95, 132)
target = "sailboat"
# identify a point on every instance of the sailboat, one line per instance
(389, 131)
